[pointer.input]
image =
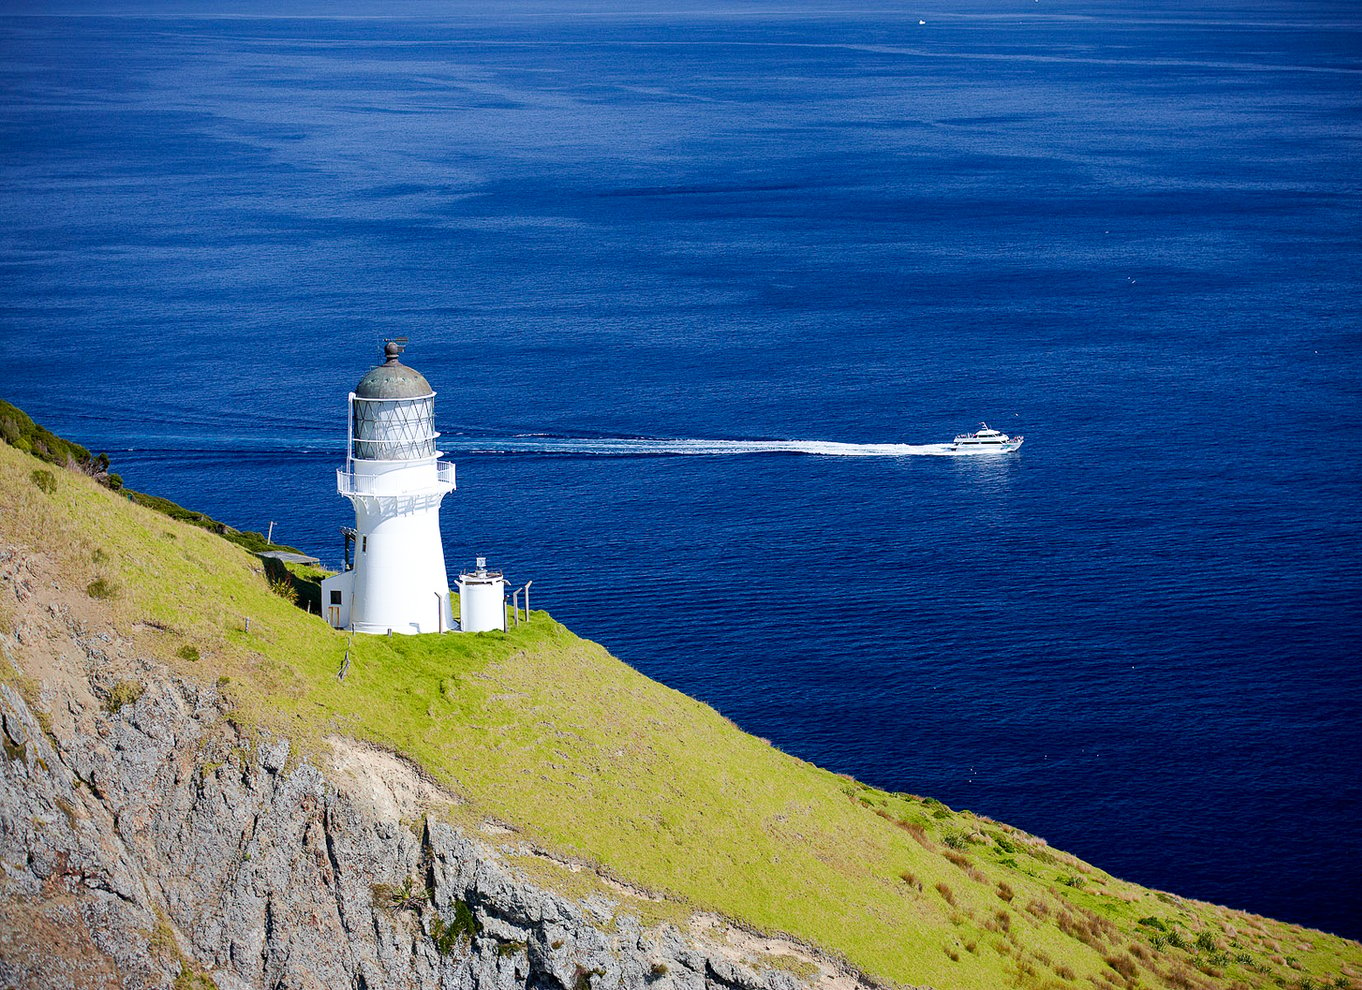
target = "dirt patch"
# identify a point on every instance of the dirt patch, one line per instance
(762, 952)
(383, 783)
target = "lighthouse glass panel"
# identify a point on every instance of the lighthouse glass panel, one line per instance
(393, 429)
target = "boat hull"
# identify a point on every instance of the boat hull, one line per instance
(985, 448)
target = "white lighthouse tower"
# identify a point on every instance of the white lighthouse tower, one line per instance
(394, 477)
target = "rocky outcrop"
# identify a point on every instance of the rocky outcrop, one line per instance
(148, 841)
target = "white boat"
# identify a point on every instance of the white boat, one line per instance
(985, 441)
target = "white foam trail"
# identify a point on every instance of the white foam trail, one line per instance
(626, 447)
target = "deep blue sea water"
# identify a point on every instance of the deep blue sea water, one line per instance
(1130, 232)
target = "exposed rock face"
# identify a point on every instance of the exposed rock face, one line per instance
(154, 844)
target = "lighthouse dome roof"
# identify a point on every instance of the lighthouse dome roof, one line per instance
(392, 379)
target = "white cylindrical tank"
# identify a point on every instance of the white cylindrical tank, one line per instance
(482, 599)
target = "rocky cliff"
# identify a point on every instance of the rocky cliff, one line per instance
(149, 841)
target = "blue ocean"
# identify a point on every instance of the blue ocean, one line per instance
(619, 233)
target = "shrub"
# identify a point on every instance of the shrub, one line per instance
(1065, 973)
(187, 979)
(958, 859)
(18, 430)
(102, 589)
(1123, 965)
(910, 879)
(123, 693)
(1005, 891)
(407, 897)
(188, 652)
(515, 948)
(1205, 941)
(917, 832)
(946, 893)
(1149, 921)
(284, 588)
(45, 480)
(956, 839)
(446, 935)
(1073, 880)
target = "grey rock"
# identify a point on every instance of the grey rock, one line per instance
(160, 838)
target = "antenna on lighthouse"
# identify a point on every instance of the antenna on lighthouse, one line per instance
(392, 348)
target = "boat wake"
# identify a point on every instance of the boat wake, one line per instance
(643, 447)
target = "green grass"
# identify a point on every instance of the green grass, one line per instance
(587, 758)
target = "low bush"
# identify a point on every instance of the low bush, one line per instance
(956, 839)
(1124, 965)
(123, 693)
(284, 589)
(102, 589)
(464, 926)
(45, 480)
(407, 897)
(946, 893)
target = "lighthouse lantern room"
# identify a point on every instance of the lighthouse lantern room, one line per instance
(395, 479)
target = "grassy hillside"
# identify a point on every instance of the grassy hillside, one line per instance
(584, 756)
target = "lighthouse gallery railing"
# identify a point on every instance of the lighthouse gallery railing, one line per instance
(348, 483)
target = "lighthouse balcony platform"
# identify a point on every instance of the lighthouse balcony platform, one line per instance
(439, 482)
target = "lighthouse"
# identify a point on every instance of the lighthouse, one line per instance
(395, 479)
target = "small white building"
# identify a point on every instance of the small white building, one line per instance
(395, 479)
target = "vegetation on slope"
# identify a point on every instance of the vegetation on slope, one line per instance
(18, 430)
(588, 759)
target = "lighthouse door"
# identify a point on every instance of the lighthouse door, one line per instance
(333, 616)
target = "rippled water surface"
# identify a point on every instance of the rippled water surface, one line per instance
(671, 271)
